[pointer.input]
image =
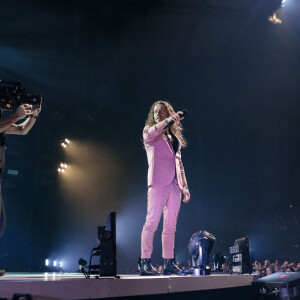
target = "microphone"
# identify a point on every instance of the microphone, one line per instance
(184, 113)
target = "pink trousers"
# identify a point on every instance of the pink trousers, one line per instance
(166, 200)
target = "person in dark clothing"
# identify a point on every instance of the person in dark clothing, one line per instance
(8, 126)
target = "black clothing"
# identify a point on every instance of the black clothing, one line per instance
(2, 164)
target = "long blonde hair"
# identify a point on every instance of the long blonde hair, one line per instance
(176, 128)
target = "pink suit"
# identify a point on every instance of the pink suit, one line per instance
(166, 179)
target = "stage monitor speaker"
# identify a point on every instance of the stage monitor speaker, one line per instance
(240, 256)
(108, 248)
(280, 285)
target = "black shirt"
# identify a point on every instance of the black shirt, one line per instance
(175, 142)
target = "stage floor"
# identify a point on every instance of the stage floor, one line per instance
(50, 286)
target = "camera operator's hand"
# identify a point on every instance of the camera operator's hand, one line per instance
(37, 111)
(23, 111)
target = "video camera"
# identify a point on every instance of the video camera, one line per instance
(13, 94)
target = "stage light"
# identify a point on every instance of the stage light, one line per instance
(200, 246)
(65, 143)
(106, 251)
(60, 264)
(62, 167)
(54, 263)
(47, 262)
(273, 19)
(82, 262)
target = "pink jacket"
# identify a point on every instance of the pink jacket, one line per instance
(163, 163)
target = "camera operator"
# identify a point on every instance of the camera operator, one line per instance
(8, 126)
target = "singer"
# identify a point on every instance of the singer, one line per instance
(163, 140)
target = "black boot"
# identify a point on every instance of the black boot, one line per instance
(146, 268)
(139, 266)
(170, 267)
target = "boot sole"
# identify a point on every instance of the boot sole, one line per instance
(147, 274)
(169, 273)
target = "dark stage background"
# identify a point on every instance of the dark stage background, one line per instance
(99, 65)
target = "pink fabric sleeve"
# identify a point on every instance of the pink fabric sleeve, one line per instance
(150, 133)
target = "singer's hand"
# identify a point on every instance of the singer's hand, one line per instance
(186, 195)
(177, 117)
